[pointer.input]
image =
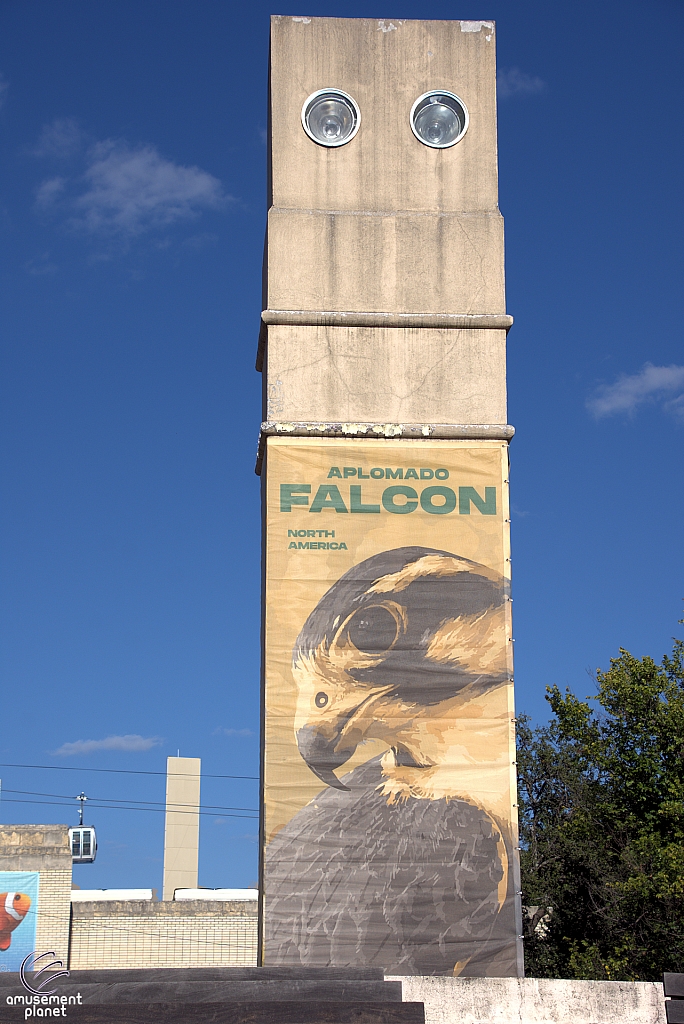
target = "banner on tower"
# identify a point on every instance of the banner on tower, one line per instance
(389, 825)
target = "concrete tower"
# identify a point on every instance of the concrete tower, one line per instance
(388, 703)
(181, 827)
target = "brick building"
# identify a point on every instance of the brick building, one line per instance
(124, 933)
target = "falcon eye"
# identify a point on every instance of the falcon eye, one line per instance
(373, 630)
(321, 699)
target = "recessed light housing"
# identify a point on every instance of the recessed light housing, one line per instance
(439, 119)
(330, 117)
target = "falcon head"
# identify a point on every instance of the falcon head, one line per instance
(395, 637)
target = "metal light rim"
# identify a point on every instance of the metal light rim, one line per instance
(308, 102)
(453, 96)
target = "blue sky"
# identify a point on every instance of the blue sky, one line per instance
(132, 210)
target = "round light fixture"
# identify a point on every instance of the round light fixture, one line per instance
(330, 117)
(439, 119)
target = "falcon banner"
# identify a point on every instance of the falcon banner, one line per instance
(389, 829)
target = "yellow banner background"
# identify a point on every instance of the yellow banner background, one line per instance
(298, 578)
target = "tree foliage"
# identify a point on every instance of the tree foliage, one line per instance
(601, 800)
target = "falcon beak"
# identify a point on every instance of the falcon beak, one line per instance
(328, 776)
(321, 756)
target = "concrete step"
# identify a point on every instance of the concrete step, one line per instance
(232, 974)
(210, 974)
(169, 990)
(674, 1011)
(673, 985)
(290, 1012)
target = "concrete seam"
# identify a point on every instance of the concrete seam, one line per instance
(415, 431)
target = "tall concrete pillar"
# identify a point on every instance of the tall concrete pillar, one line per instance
(181, 830)
(387, 689)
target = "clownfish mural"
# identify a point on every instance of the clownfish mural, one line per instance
(14, 907)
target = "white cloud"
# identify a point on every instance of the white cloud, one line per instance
(675, 406)
(514, 82)
(124, 191)
(652, 384)
(60, 139)
(131, 190)
(130, 743)
(48, 191)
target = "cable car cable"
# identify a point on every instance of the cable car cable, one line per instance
(156, 804)
(126, 771)
(158, 810)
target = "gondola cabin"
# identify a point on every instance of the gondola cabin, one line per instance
(83, 844)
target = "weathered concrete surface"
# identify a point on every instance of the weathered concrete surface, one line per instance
(181, 910)
(35, 848)
(385, 65)
(412, 263)
(383, 225)
(382, 374)
(536, 1001)
(358, 429)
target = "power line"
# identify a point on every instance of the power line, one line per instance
(110, 807)
(123, 771)
(154, 804)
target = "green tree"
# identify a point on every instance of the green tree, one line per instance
(601, 800)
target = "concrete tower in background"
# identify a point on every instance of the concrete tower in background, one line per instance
(389, 828)
(181, 828)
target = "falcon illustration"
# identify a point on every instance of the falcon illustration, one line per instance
(403, 862)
